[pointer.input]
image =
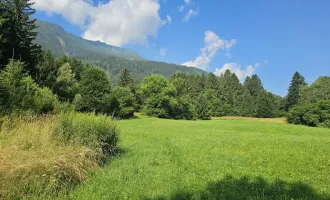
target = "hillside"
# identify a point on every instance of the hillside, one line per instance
(53, 37)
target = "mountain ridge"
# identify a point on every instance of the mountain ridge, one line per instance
(53, 37)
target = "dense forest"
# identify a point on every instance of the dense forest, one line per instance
(36, 81)
(113, 59)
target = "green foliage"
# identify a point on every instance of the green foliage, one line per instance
(265, 105)
(95, 93)
(254, 85)
(66, 85)
(45, 101)
(182, 108)
(311, 114)
(19, 31)
(110, 58)
(203, 107)
(47, 70)
(21, 93)
(127, 102)
(124, 78)
(294, 96)
(158, 95)
(318, 90)
(93, 131)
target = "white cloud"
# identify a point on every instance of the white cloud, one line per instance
(163, 52)
(212, 44)
(191, 13)
(168, 20)
(187, 2)
(236, 68)
(116, 22)
(266, 61)
(182, 7)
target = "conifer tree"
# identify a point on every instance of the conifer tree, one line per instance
(293, 96)
(20, 33)
(253, 85)
(124, 78)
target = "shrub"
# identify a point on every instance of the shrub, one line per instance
(44, 101)
(90, 130)
(311, 114)
(182, 108)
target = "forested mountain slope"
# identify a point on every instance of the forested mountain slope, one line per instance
(53, 37)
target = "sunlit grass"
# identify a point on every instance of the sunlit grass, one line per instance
(216, 159)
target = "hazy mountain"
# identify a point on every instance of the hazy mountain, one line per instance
(53, 37)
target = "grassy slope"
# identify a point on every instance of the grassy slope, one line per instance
(219, 158)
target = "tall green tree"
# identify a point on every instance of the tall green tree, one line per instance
(19, 29)
(158, 96)
(65, 85)
(95, 93)
(47, 70)
(124, 78)
(293, 96)
(318, 90)
(254, 85)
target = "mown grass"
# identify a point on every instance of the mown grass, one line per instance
(217, 159)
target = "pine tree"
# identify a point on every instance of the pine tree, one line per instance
(20, 33)
(124, 78)
(294, 96)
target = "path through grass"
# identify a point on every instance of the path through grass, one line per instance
(219, 159)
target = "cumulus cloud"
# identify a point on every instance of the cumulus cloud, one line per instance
(236, 68)
(116, 22)
(163, 52)
(212, 44)
(191, 13)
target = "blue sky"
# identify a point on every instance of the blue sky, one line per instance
(270, 38)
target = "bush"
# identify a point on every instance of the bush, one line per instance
(44, 101)
(311, 114)
(90, 130)
(182, 108)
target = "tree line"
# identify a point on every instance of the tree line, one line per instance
(34, 80)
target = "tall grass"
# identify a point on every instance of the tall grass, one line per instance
(36, 161)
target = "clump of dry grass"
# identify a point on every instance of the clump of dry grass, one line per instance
(32, 162)
(280, 120)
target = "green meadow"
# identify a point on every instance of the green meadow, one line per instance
(216, 159)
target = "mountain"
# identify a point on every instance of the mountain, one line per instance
(53, 37)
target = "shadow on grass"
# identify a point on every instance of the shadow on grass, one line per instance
(247, 188)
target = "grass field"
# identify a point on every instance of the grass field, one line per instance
(217, 159)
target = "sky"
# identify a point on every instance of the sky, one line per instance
(272, 39)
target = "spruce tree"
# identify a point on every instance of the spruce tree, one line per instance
(293, 96)
(124, 78)
(20, 33)
(254, 85)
